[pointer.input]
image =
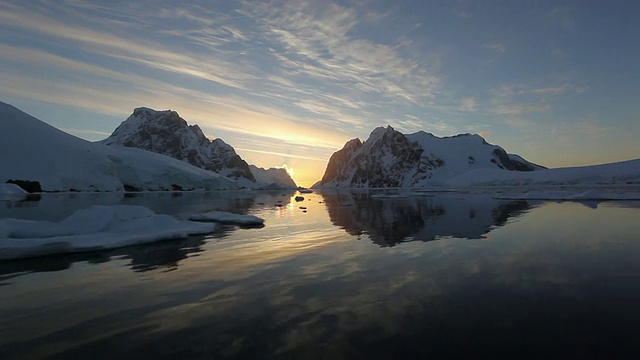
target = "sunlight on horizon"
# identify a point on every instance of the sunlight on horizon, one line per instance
(289, 171)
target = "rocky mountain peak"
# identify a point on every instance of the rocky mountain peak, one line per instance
(336, 166)
(389, 158)
(165, 132)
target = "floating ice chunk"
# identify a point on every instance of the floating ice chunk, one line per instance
(11, 189)
(228, 218)
(95, 228)
(299, 198)
(305, 191)
(12, 192)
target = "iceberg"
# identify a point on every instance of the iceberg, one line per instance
(11, 192)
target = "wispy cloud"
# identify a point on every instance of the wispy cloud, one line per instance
(518, 122)
(468, 104)
(317, 43)
(462, 11)
(150, 54)
(588, 126)
(553, 90)
(230, 113)
(498, 47)
(520, 108)
(518, 99)
(100, 134)
(317, 64)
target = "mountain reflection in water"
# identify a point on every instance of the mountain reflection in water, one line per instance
(393, 220)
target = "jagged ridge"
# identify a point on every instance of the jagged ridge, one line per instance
(165, 132)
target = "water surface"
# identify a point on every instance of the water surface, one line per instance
(445, 275)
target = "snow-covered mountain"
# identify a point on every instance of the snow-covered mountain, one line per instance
(165, 132)
(272, 176)
(389, 158)
(31, 150)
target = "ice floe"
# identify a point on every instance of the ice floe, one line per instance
(95, 228)
(11, 192)
(228, 218)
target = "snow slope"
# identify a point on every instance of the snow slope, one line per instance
(389, 158)
(95, 228)
(620, 173)
(33, 150)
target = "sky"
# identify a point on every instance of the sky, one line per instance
(289, 82)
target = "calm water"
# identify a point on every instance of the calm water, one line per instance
(449, 275)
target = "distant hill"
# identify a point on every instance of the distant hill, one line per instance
(273, 176)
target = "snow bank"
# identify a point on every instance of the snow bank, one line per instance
(95, 228)
(228, 218)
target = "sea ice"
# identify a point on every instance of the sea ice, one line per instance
(95, 228)
(227, 218)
